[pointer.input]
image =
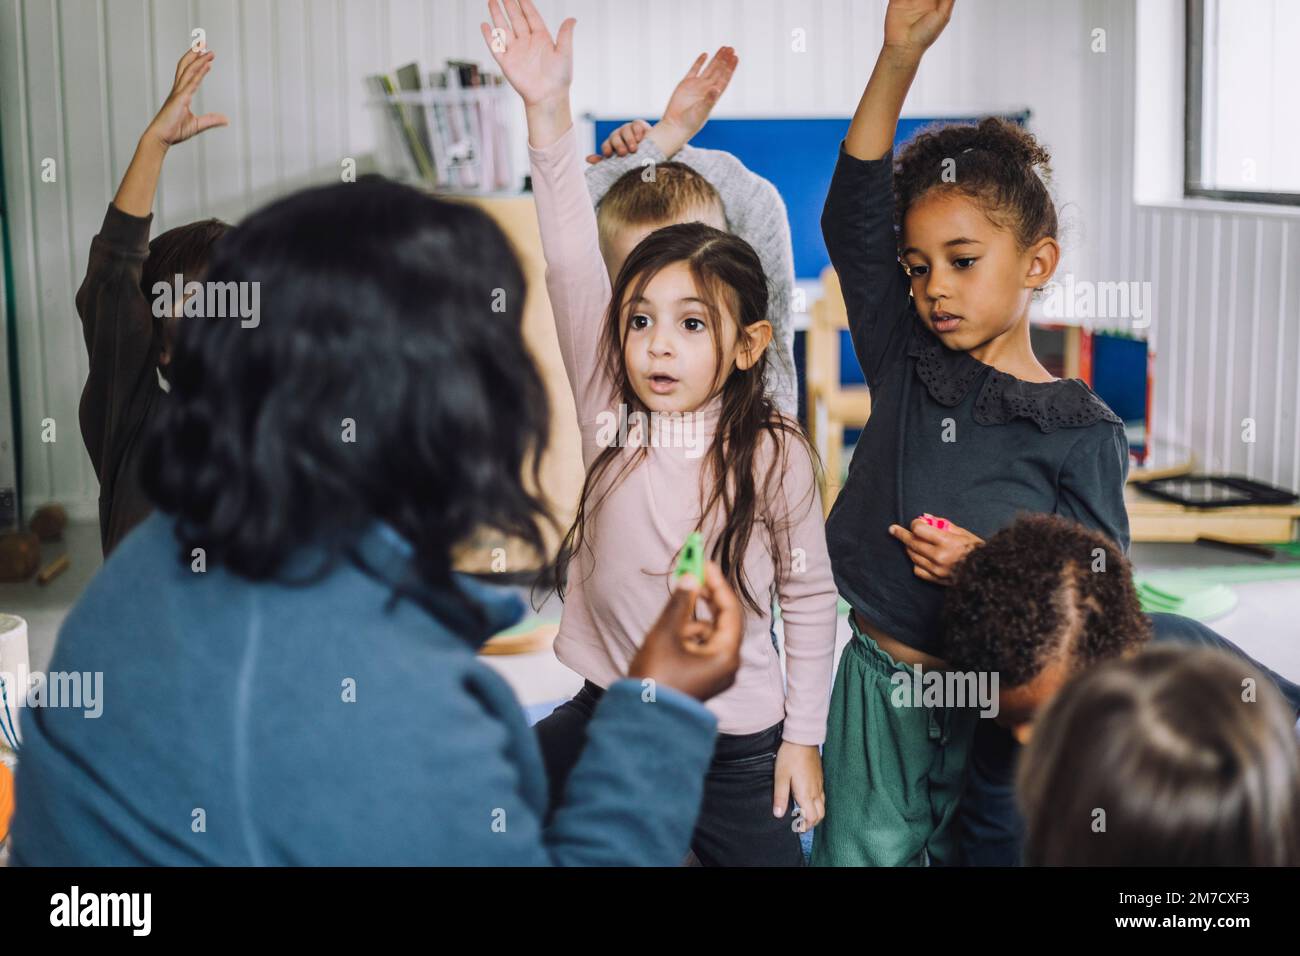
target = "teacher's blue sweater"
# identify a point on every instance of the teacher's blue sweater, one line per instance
(330, 723)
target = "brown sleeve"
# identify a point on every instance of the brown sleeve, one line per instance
(119, 329)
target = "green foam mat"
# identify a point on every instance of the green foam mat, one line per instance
(1204, 593)
(1198, 600)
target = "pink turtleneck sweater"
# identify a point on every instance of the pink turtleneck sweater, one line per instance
(620, 578)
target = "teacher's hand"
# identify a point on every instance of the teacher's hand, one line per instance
(699, 658)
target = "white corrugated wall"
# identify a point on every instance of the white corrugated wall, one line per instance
(79, 79)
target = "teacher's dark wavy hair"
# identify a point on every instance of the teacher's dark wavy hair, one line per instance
(383, 309)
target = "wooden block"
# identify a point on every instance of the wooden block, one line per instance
(20, 556)
(850, 406)
(53, 569)
(529, 642)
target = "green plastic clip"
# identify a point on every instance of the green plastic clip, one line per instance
(691, 559)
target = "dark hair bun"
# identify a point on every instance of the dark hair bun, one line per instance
(1008, 140)
(996, 162)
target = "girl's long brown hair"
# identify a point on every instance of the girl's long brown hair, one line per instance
(726, 271)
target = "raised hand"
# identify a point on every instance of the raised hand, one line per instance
(915, 24)
(175, 123)
(539, 68)
(687, 111)
(698, 92)
(910, 27)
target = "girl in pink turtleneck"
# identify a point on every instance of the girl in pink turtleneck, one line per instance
(677, 349)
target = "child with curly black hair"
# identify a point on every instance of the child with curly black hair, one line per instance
(1042, 589)
(938, 260)
(1039, 603)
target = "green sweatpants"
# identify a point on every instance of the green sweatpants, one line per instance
(893, 775)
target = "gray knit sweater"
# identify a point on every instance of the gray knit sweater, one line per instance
(756, 213)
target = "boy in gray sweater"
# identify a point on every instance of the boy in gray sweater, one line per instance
(647, 178)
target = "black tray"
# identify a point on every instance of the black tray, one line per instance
(1215, 491)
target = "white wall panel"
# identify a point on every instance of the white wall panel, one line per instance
(80, 78)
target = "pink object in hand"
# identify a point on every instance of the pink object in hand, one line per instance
(940, 523)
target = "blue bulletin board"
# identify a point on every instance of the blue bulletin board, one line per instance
(798, 156)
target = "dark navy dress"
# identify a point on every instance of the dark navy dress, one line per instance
(948, 435)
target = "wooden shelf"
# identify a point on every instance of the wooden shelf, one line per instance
(561, 462)
(832, 406)
(1151, 519)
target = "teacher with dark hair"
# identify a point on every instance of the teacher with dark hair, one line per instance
(288, 658)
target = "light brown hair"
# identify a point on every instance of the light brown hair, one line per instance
(675, 191)
(1189, 768)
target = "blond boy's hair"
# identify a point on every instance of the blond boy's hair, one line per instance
(676, 191)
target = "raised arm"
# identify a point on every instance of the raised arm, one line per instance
(174, 124)
(540, 70)
(754, 209)
(687, 111)
(910, 27)
(858, 219)
(116, 319)
(118, 330)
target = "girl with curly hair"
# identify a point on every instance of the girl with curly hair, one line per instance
(939, 254)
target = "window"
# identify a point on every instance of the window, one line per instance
(1243, 74)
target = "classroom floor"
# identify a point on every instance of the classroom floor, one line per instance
(1264, 623)
(44, 608)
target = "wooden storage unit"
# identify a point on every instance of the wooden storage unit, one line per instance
(561, 466)
(832, 407)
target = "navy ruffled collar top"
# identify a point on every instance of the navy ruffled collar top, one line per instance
(949, 376)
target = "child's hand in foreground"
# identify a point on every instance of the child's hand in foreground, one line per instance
(699, 658)
(175, 123)
(799, 771)
(935, 551)
(540, 69)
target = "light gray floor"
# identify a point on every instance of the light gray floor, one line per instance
(1265, 623)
